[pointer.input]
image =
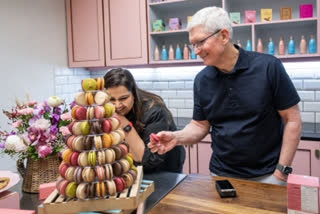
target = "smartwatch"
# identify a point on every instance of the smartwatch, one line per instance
(128, 127)
(284, 169)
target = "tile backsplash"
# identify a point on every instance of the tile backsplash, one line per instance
(175, 86)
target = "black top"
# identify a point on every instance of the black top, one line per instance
(157, 119)
(241, 107)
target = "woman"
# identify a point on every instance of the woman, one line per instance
(148, 114)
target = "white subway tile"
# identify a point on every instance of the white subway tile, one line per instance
(317, 95)
(311, 84)
(168, 93)
(185, 113)
(176, 85)
(311, 106)
(188, 84)
(307, 95)
(160, 85)
(145, 84)
(176, 103)
(185, 94)
(308, 117)
(297, 84)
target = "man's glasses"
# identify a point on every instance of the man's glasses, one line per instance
(198, 45)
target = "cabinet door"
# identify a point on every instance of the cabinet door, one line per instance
(85, 33)
(307, 160)
(125, 32)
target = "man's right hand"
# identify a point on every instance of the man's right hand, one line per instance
(167, 140)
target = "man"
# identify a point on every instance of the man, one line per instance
(247, 100)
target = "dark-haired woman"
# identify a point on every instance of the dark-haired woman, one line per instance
(148, 114)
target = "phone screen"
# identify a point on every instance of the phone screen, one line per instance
(224, 184)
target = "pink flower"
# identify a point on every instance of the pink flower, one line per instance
(17, 124)
(31, 103)
(42, 124)
(44, 150)
(64, 130)
(66, 116)
(25, 111)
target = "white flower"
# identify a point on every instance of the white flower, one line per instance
(54, 101)
(42, 124)
(15, 143)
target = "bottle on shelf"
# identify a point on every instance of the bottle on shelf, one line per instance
(248, 46)
(178, 52)
(156, 54)
(259, 46)
(164, 55)
(312, 45)
(291, 47)
(270, 47)
(239, 43)
(193, 55)
(171, 53)
(185, 52)
(281, 46)
(303, 45)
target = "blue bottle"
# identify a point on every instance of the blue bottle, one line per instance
(164, 55)
(312, 45)
(192, 54)
(291, 47)
(248, 46)
(178, 53)
(270, 47)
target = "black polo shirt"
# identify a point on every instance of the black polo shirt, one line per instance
(241, 107)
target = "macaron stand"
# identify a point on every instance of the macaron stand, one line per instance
(97, 172)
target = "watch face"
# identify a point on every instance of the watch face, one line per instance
(287, 170)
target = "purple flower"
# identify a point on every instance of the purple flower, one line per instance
(54, 130)
(72, 104)
(2, 145)
(55, 119)
(46, 107)
(57, 110)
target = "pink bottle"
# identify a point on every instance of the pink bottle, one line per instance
(259, 46)
(156, 53)
(239, 43)
(303, 45)
(171, 53)
(281, 46)
(185, 52)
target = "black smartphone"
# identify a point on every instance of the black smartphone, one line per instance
(225, 189)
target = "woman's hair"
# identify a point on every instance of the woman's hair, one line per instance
(122, 77)
(212, 18)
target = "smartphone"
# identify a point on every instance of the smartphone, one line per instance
(225, 189)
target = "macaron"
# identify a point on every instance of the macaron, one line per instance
(115, 123)
(92, 158)
(79, 98)
(89, 84)
(62, 187)
(82, 191)
(109, 109)
(117, 151)
(73, 111)
(133, 173)
(117, 168)
(120, 183)
(83, 159)
(99, 83)
(125, 165)
(124, 149)
(121, 133)
(87, 142)
(100, 98)
(99, 112)
(90, 113)
(130, 160)
(134, 168)
(76, 128)
(84, 127)
(88, 174)
(66, 155)
(100, 172)
(78, 144)
(77, 176)
(106, 140)
(71, 125)
(106, 126)
(110, 155)
(101, 157)
(80, 113)
(111, 187)
(74, 158)
(96, 127)
(116, 138)
(63, 168)
(89, 98)
(70, 140)
(60, 179)
(97, 142)
(71, 190)
(69, 173)
(108, 171)
(92, 190)
(128, 179)
(100, 189)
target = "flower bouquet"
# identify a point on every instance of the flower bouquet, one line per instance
(38, 136)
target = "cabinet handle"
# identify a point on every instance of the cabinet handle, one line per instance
(317, 153)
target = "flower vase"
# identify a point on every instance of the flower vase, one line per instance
(38, 172)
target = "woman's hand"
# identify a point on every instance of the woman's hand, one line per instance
(165, 142)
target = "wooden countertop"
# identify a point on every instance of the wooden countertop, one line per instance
(197, 194)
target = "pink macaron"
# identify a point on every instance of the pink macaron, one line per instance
(99, 112)
(106, 126)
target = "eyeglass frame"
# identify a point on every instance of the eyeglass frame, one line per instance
(199, 44)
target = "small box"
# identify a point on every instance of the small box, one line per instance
(158, 25)
(266, 15)
(285, 13)
(306, 10)
(303, 194)
(188, 18)
(250, 16)
(10, 200)
(235, 17)
(175, 24)
(46, 189)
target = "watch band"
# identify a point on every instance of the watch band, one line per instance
(128, 127)
(284, 169)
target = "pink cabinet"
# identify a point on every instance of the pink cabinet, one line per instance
(106, 32)
(307, 158)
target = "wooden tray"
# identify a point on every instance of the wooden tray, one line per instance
(129, 199)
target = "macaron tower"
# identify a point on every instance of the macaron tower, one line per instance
(97, 162)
